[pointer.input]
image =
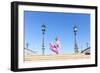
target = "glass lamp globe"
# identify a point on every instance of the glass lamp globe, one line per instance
(75, 29)
(43, 27)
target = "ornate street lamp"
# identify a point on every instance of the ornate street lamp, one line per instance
(43, 27)
(27, 45)
(75, 33)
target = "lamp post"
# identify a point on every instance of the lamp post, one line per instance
(75, 41)
(43, 32)
(87, 44)
(27, 45)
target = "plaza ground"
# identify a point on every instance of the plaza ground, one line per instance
(55, 57)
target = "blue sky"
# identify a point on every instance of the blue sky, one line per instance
(57, 24)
